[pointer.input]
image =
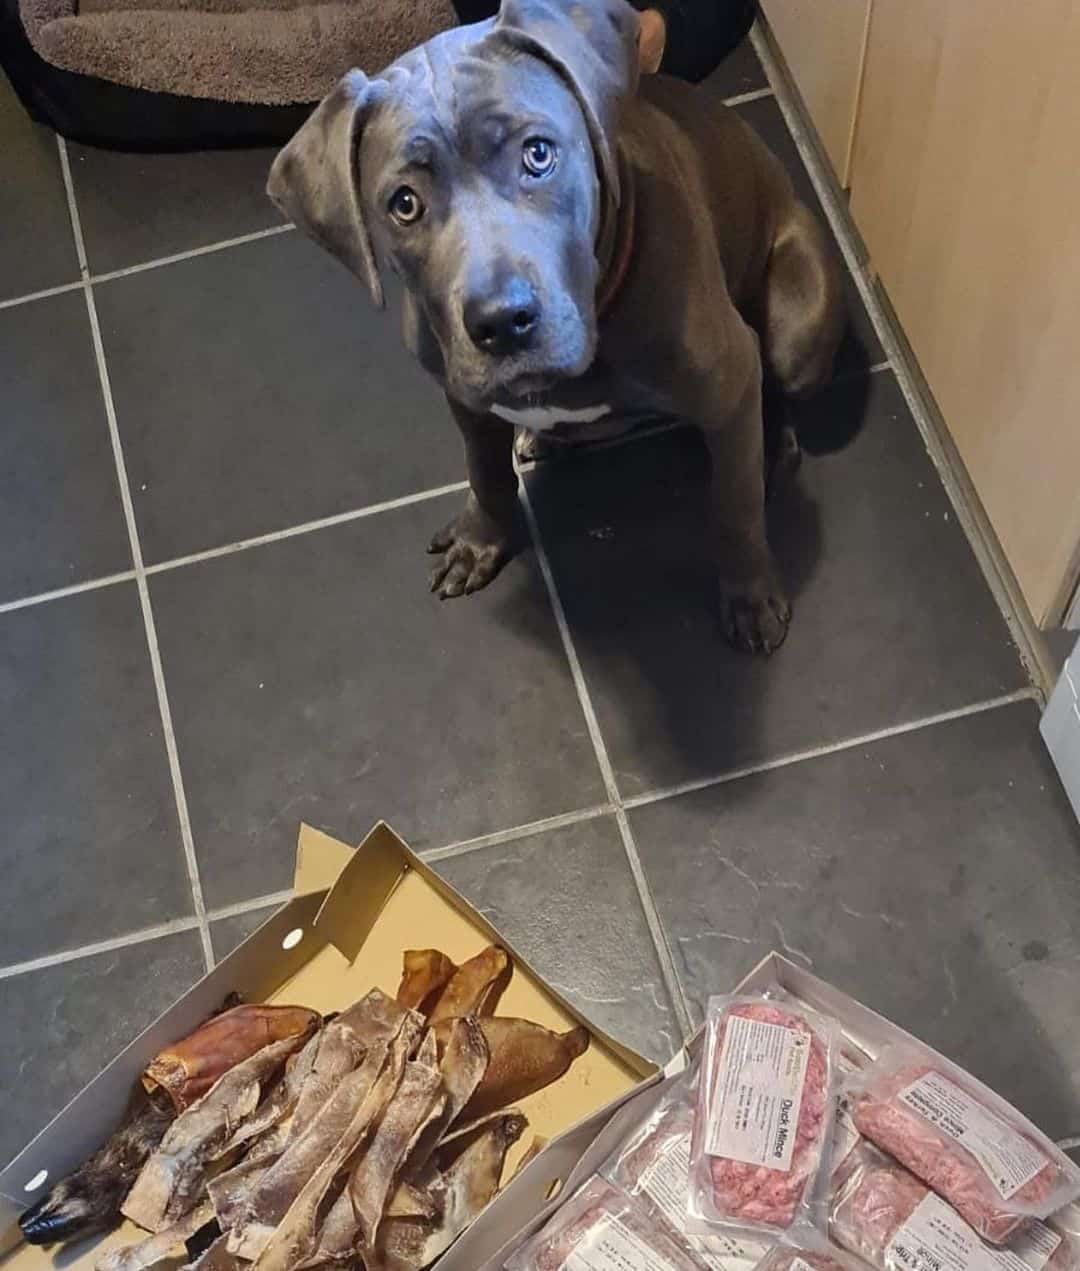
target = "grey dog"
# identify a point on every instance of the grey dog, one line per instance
(573, 245)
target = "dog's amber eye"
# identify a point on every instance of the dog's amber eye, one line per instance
(538, 156)
(405, 206)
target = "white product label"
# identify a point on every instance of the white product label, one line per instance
(1008, 1159)
(845, 1136)
(612, 1246)
(936, 1238)
(800, 1264)
(758, 1092)
(666, 1183)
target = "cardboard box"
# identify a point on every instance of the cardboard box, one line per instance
(352, 916)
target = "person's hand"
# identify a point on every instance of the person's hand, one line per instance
(652, 33)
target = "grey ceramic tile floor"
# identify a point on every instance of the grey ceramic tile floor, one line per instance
(575, 749)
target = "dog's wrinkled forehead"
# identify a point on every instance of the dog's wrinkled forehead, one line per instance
(452, 88)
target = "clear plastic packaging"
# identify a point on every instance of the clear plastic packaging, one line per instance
(600, 1229)
(965, 1142)
(823, 1257)
(652, 1167)
(763, 1120)
(890, 1219)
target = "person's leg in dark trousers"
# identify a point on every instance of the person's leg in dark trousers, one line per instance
(700, 33)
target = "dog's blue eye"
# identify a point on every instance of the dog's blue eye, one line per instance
(405, 206)
(538, 156)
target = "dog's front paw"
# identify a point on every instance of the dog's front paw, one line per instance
(473, 549)
(756, 619)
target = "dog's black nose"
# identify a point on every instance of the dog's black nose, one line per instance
(503, 322)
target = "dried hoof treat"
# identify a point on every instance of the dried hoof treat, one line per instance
(89, 1199)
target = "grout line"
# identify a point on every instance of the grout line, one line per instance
(516, 832)
(830, 748)
(140, 573)
(145, 934)
(991, 561)
(93, 584)
(740, 99)
(859, 373)
(240, 239)
(675, 990)
(326, 522)
(246, 906)
(40, 295)
(142, 266)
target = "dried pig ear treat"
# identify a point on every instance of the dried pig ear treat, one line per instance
(886, 1216)
(763, 1120)
(652, 1168)
(978, 1153)
(600, 1229)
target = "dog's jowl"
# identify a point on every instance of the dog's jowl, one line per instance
(575, 246)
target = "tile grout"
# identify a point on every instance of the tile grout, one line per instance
(515, 833)
(238, 240)
(248, 906)
(743, 99)
(829, 748)
(144, 935)
(308, 527)
(141, 267)
(186, 837)
(91, 584)
(676, 992)
(356, 514)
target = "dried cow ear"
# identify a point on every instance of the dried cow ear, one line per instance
(424, 973)
(475, 986)
(524, 1057)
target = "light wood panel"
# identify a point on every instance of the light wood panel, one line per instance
(965, 183)
(822, 42)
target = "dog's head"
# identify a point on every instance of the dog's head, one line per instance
(480, 167)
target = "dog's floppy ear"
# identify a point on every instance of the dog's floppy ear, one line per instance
(593, 45)
(315, 180)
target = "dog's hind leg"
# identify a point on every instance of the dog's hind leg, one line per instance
(803, 313)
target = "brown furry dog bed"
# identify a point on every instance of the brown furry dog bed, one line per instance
(144, 74)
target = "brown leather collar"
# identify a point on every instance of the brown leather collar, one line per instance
(622, 247)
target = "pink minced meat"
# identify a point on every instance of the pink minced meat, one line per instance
(582, 1224)
(755, 1193)
(878, 1201)
(940, 1161)
(874, 1207)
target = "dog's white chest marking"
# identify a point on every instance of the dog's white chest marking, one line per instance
(541, 418)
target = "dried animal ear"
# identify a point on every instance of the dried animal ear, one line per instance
(593, 46)
(315, 180)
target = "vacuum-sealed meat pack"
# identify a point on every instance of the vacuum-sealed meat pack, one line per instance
(764, 1118)
(653, 1168)
(893, 1221)
(966, 1143)
(600, 1229)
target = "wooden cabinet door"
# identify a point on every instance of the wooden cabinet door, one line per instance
(965, 183)
(822, 42)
